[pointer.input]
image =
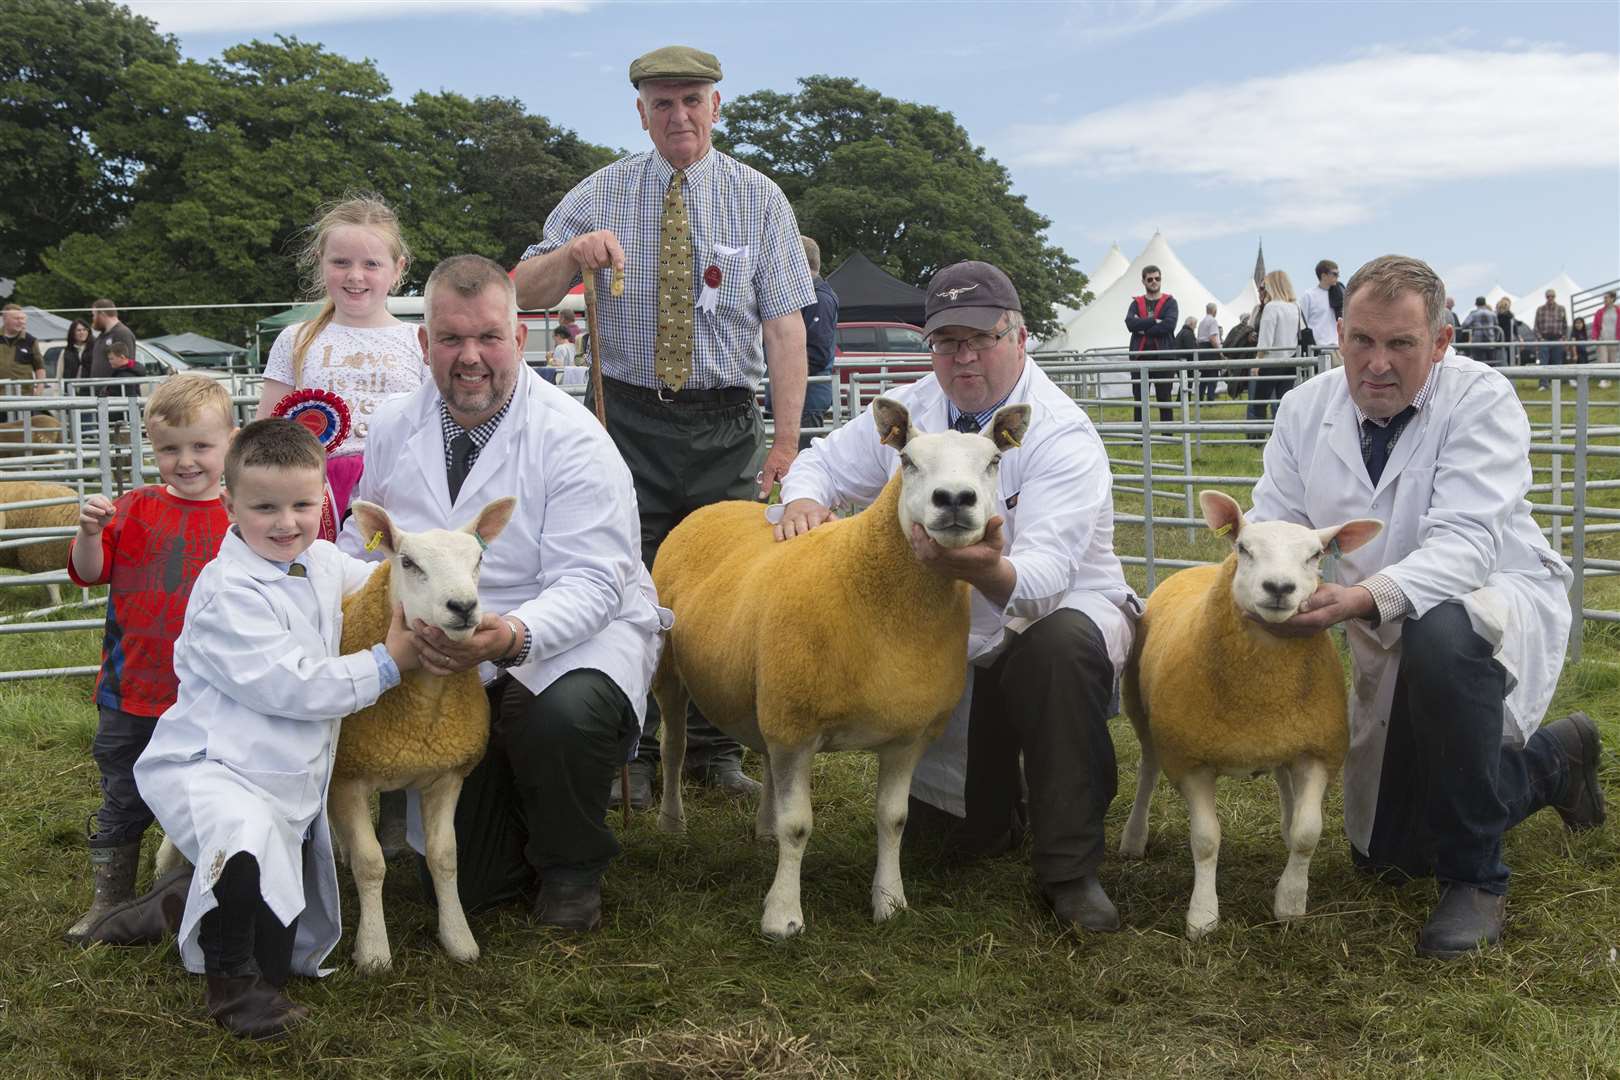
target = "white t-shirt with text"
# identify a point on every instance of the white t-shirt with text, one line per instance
(364, 365)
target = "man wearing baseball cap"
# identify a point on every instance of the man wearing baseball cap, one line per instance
(713, 269)
(1052, 614)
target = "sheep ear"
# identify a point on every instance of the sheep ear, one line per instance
(1352, 534)
(375, 525)
(893, 422)
(1222, 513)
(1009, 425)
(492, 519)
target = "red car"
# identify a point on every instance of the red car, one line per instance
(899, 346)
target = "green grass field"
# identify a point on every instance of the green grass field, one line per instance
(976, 980)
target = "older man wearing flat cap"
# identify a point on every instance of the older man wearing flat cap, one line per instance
(713, 265)
(1052, 614)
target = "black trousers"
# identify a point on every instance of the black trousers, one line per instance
(1046, 697)
(683, 457)
(242, 934)
(1264, 393)
(1449, 788)
(1164, 388)
(120, 738)
(537, 803)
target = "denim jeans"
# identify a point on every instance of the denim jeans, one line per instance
(1449, 787)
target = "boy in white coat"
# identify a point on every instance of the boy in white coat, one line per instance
(237, 770)
(1456, 615)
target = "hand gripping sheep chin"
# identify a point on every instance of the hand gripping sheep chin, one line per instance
(428, 732)
(1210, 691)
(838, 639)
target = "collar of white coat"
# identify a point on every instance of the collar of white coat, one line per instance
(256, 566)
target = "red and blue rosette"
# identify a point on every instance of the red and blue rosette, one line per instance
(322, 412)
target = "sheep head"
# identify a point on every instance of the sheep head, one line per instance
(435, 573)
(1279, 564)
(948, 478)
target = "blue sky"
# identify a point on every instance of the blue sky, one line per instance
(1483, 137)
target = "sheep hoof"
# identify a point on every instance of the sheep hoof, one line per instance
(887, 906)
(671, 823)
(1132, 848)
(1289, 902)
(461, 952)
(373, 965)
(1200, 927)
(780, 929)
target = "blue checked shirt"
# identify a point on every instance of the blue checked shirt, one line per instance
(741, 224)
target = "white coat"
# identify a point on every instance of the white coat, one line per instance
(1457, 526)
(569, 562)
(242, 760)
(1055, 497)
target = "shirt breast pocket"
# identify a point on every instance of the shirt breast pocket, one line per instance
(736, 267)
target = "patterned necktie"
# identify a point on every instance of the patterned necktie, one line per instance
(673, 357)
(967, 423)
(1379, 439)
(460, 462)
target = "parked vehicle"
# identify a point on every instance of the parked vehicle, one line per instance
(867, 348)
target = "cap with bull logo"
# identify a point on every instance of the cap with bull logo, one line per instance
(973, 294)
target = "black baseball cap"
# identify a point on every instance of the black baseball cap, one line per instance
(973, 294)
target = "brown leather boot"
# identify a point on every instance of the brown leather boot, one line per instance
(249, 1007)
(113, 870)
(147, 919)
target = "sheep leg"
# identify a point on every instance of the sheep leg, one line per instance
(1204, 825)
(765, 814)
(439, 825)
(896, 763)
(672, 699)
(349, 806)
(168, 858)
(1285, 799)
(1133, 841)
(1310, 779)
(790, 770)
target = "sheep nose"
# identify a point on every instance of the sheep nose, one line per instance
(463, 608)
(955, 500)
(1279, 589)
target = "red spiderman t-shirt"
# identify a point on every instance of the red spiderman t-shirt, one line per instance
(151, 553)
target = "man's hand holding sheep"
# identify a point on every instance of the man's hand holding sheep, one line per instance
(1328, 606)
(981, 565)
(496, 638)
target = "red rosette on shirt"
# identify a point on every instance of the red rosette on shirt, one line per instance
(323, 413)
(711, 277)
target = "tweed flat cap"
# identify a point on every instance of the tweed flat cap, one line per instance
(680, 63)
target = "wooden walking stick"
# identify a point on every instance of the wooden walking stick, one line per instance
(601, 418)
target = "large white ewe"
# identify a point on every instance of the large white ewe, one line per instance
(428, 732)
(1210, 692)
(836, 640)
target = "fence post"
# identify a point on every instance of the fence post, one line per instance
(1186, 450)
(1145, 396)
(1577, 591)
(1556, 423)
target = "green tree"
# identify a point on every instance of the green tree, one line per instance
(900, 182)
(63, 66)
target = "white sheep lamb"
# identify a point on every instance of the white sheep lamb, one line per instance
(1210, 692)
(428, 732)
(836, 640)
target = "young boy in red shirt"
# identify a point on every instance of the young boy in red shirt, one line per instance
(148, 547)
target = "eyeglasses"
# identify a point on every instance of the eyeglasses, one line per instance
(1154, 280)
(978, 343)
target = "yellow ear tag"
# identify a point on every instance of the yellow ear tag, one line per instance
(893, 433)
(1009, 440)
(1224, 529)
(376, 538)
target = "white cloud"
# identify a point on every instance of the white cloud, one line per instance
(259, 16)
(1104, 23)
(1327, 146)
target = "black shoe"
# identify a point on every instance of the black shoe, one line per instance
(1083, 903)
(576, 908)
(249, 1007)
(641, 795)
(727, 778)
(1582, 807)
(145, 920)
(1465, 920)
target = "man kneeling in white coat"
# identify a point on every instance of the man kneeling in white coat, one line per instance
(1050, 624)
(1457, 614)
(570, 631)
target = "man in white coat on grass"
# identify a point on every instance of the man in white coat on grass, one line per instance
(1457, 614)
(570, 631)
(1052, 616)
